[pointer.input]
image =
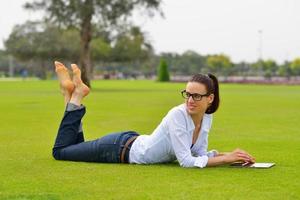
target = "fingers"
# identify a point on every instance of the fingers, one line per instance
(252, 159)
(240, 151)
(239, 155)
(245, 152)
(244, 157)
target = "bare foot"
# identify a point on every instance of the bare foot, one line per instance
(81, 89)
(66, 85)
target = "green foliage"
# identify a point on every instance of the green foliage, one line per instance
(260, 119)
(101, 49)
(41, 41)
(295, 66)
(269, 67)
(4, 62)
(190, 62)
(79, 14)
(163, 72)
(285, 70)
(219, 63)
(131, 45)
(242, 69)
(45, 42)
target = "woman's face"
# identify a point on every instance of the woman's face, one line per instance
(197, 107)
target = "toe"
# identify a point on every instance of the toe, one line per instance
(59, 65)
(75, 69)
(56, 63)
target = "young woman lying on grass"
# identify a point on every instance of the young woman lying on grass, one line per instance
(182, 134)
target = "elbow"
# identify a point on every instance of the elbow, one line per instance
(212, 153)
(56, 154)
(200, 162)
(185, 163)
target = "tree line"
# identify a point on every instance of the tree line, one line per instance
(35, 45)
(98, 35)
(191, 62)
(85, 15)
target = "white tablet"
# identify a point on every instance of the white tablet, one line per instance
(262, 165)
(253, 165)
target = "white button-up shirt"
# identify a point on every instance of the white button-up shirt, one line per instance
(172, 140)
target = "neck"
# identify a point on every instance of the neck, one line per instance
(197, 119)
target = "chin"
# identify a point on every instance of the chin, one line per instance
(192, 112)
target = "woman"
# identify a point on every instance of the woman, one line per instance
(182, 134)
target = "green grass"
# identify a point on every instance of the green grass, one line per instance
(264, 120)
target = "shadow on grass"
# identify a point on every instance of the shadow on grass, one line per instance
(172, 165)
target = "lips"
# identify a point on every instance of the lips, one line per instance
(191, 106)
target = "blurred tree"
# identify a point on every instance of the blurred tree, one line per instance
(172, 59)
(295, 66)
(242, 69)
(163, 73)
(131, 46)
(269, 67)
(285, 69)
(101, 49)
(257, 67)
(219, 64)
(42, 42)
(129, 52)
(190, 62)
(4, 63)
(80, 14)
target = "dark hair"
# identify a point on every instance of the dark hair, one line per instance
(212, 86)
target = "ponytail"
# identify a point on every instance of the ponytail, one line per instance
(215, 90)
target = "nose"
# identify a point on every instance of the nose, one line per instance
(190, 99)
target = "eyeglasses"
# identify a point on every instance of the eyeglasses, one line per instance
(195, 96)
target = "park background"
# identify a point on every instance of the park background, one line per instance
(136, 56)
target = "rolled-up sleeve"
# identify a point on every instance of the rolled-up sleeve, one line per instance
(203, 149)
(177, 126)
(212, 153)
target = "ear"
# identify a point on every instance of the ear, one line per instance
(211, 98)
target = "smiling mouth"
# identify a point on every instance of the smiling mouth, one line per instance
(191, 106)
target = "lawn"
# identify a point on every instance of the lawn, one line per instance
(263, 120)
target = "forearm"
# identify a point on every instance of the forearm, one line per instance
(215, 161)
(222, 153)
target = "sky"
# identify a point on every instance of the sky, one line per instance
(245, 30)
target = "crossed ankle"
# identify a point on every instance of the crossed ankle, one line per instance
(72, 107)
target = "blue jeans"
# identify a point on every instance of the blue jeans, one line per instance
(70, 144)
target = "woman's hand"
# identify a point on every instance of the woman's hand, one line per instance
(239, 155)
